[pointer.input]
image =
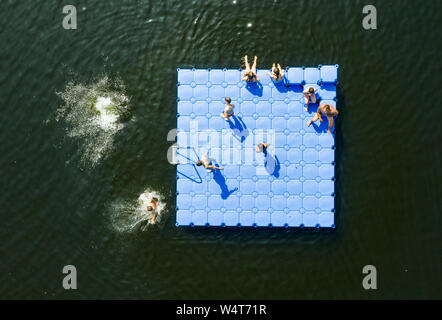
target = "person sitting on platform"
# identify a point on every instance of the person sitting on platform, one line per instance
(250, 73)
(207, 163)
(326, 110)
(228, 111)
(262, 147)
(309, 94)
(277, 73)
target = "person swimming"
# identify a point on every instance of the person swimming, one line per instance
(250, 73)
(152, 206)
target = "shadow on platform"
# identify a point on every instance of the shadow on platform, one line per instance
(240, 131)
(295, 88)
(219, 178)
(200, 180)
(321, 127)
(255, 88)
(312, 107)
(282, 86)
(190, 162)
(272, 164)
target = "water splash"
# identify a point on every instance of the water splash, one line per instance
(130, 216)
(93, 114)
(107, 115)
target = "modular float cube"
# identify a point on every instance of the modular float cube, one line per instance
(291, 185)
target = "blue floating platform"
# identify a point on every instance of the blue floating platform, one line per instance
(292, 185)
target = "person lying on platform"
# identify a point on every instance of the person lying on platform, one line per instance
(277, 73)
(207, 163)
(309, 94)
(250, 73)
(262, 147)
(152, 207)
(326, 110)
(228, 111)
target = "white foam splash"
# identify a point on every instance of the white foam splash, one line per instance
(107, 117)
(92, 113)
(130, 216)
(144, 201)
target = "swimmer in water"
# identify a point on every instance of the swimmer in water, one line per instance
(277, 73)
(326, 110)
(207, 163)
(250, 73)
(228, 111)
(152, 206)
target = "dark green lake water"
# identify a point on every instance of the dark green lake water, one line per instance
(58, 202)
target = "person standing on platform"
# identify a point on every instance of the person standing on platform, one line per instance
(228, 111)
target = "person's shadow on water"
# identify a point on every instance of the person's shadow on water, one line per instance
(255, 88)
(272, 164)
(219, 178)
(240, 131)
